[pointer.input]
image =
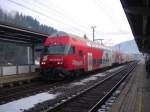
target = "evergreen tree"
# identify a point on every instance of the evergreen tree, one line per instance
(25, 22)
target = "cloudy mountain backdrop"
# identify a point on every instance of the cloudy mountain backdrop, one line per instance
(128, 47)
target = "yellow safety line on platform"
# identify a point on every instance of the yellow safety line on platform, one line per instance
(140, 102)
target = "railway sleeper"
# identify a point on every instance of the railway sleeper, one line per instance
(74, 110)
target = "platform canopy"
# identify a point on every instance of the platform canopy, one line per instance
(138, 15)
(13, 34)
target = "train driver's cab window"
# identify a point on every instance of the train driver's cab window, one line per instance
(80, 54)
(72, 50)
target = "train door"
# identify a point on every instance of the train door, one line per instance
(90, 62)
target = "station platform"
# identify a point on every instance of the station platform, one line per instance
(17, 78)
(17, 74)
(135, 97)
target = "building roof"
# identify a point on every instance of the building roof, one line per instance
(11, 33)
(138, 15)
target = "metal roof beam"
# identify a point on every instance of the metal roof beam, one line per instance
(138, 10)
(22, 30)
(14, 41)
(142, 37)
(146, 2)
(14, 38)
(16, 34)
(144, 26)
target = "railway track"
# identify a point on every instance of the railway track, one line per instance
(90, 99)
(17, 92)
(11, 94)
(14, 93)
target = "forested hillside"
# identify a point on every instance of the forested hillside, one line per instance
(28, 22)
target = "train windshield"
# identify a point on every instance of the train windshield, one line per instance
(56, 49)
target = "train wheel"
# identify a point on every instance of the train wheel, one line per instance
(78, 73)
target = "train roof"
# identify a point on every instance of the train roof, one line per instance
(87, 41)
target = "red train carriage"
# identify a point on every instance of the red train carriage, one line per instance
(68, 54)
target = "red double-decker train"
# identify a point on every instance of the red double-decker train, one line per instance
(66, 54)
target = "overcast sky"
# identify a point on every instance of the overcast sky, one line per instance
(77, 17)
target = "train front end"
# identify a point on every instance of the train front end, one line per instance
(53, 59)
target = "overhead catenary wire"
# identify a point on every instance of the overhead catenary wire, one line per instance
(101, 7)
(42, 14)
(62, 13)
(83, 29)
(74, 19)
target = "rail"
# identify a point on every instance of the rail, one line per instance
(81, 100)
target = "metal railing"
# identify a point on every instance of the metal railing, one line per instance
(17, 69)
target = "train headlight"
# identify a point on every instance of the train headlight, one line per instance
(43, 63)
(59, 63)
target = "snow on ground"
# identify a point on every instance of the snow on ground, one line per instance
(94, 77)
(77, 83)
(91, 78)
(114, 69)
(100, 75)
(26, 103)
